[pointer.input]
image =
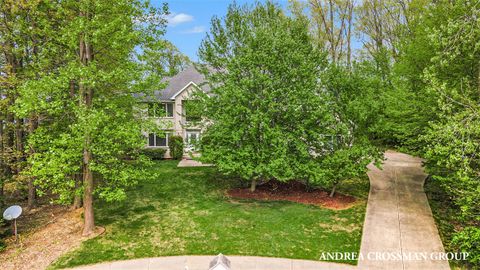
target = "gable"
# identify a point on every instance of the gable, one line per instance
(178, 83)
(188, 86)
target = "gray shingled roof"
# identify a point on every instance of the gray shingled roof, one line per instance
(179, 81)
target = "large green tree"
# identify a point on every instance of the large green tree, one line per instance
(266, 112)
(453, 140)
(271, 116)
(429, 99)
(24, 30)
(89, 141)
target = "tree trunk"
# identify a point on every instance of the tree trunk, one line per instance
(332, 35)
(78, 177)
(2, 163)
(308, 185)
(333, 190)
(31, 194)
(19, 155)
(88, 176)
(86, 99)
(253, 185)
(77, 199)
(349, 34)
(19, 142)
(2, 199)
(89, 219)
(8, 147)
(72, 89)
(33, 124)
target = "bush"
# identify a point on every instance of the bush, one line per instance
(468, 240)
(175, 143)
(2, 235)
(154, 153)
(3, 246)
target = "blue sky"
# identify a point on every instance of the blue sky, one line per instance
(190, 19)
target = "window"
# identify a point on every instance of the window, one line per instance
(156, 140)
(151, 139)
(169, 109)
(160, 109)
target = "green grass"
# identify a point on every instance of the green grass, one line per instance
(185, 212)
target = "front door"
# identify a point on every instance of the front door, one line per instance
(192, 139)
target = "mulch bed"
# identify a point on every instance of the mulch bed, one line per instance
(295, 192)
(45, 234)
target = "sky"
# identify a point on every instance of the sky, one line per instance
(190, 20)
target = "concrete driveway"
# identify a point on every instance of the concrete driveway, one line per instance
(399, 219)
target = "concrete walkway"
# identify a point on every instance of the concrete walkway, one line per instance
(399, 219)
(398, 222)
(185, 162)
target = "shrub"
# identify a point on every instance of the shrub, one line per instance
(154, 153)
(2, 235)
(468, 240)
(175, 143)
(3, 246)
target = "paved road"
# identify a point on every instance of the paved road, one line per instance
(202, 262)
(398, 221)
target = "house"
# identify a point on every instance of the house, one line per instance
(169, 109)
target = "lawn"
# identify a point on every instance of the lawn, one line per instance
(185, 211)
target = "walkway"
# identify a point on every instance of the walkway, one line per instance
(398, 221)
(186, 162)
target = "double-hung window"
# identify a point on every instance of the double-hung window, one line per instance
(158, 140)
(160, 109)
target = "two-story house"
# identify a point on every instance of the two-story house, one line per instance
(169, 109)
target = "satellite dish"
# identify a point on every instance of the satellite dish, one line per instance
(12, 212)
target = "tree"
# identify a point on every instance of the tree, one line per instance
(345, 163)
(383, 25)
(397, 50)
(22, 36)
(333, 25)
(167, 60)
(12, 54)
(270, 116)
(93, 127)
(175, 61)
(355, 107)
(453, 139)
(175, 145)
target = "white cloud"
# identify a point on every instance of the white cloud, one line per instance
(195, 30)
(175, 19)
